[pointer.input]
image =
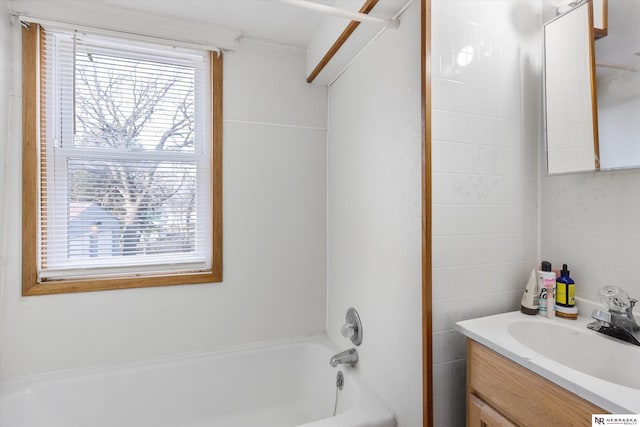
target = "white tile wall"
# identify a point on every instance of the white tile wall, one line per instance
(485, 140)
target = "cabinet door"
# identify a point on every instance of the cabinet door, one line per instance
(480, 414)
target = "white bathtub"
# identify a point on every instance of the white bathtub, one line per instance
(284, 384)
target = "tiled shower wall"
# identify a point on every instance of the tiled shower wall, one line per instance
(486, 133)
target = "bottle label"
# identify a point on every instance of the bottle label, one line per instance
(565, 294)
(572, 295)
(561, 293)
(543, 296)
(542, 301)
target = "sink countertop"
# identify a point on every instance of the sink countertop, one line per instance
(493, 332)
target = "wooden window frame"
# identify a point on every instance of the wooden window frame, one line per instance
(31, 128)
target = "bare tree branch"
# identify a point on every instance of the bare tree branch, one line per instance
(114, 110)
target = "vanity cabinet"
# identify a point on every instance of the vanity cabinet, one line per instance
(502, 393)
(481, 414)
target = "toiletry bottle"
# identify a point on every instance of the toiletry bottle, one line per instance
(566, 295)
(546, 285)
(565, 289)
(529, 303)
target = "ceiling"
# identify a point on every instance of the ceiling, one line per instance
(222, 23)
(262, 19)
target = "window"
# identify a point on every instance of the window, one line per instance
(121, 163)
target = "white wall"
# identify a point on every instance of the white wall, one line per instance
(619, 119)
(374, 242)
(590, 222)
(486, 132)
(274, 234)
(5, 82)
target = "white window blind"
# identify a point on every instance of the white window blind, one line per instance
(125, 157)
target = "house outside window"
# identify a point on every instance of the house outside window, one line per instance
(92, 231)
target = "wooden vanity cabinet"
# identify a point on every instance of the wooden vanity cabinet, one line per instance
(480, 414)
(502, 393)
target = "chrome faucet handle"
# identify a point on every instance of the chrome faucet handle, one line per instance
(601, 315)
(615, 298)
(348, 330)
(352, 329)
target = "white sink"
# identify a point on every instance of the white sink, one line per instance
(583, 350)
(598, 368)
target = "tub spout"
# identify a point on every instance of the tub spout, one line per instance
(347, 357)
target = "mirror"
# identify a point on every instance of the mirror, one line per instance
(615, 139)
(618, 76)
(571, 120)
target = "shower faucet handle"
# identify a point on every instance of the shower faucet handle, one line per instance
(352, 329)
(348, 330)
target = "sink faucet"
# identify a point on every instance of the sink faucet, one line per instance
(619, 321)
(344, 357)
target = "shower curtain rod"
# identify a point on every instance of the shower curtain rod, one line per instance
(331, 10)
(617, 67)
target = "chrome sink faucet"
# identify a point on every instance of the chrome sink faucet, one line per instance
(619, 321)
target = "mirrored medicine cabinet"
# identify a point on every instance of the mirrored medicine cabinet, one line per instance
(592, 87)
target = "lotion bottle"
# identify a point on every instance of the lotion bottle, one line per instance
(529, 303)
(547, 285)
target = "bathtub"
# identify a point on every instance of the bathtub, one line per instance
(283, 384)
